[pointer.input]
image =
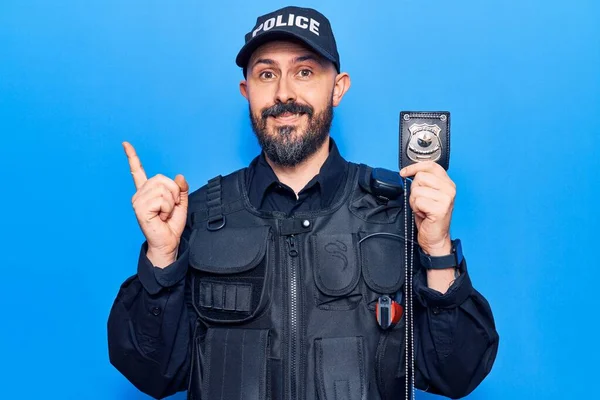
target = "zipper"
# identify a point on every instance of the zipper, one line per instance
(294, 318)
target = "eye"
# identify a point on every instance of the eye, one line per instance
(267, 75)
(305, 73)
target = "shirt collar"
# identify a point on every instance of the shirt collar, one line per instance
(329, 177)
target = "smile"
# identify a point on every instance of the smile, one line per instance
(288, 117)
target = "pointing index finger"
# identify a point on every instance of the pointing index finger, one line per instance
(135, 165)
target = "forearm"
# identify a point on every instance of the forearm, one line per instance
(149, 329)
(455, 336)
(147, 352)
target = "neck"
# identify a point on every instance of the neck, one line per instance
(299, 175)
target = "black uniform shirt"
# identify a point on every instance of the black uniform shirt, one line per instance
(267, 193)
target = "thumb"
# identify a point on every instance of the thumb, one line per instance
(183, 188)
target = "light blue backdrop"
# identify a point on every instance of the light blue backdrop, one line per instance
(521, 78)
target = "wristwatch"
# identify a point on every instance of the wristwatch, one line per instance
(452, 260)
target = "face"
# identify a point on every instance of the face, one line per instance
(291, 93)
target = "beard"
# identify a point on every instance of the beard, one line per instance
(286, 147)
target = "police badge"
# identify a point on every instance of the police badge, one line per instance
(424, 136)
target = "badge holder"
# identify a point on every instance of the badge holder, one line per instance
(424, 136)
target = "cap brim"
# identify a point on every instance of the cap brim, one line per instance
(246, 52)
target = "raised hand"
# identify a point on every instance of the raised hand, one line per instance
(431, 198)
(160, 206)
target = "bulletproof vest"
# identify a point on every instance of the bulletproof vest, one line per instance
(286, 305)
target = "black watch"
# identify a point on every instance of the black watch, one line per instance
(452, 260)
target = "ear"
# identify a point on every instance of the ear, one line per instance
(341, 86)
(244, 89)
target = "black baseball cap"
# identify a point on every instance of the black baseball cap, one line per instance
(304, 24)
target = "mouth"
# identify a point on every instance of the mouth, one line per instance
(288, 117)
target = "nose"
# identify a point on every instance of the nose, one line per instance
(285, 90)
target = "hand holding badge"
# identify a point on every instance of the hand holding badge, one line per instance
(425, 155)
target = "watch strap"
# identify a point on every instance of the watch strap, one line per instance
(452, 260)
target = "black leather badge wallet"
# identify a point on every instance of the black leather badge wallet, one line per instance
(424, 136)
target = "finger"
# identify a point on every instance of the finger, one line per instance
(160, 206)
(424, 206)
(426, 166)
(182, 183)
(159, 181)
(413, 207)
(433, 181)
(184, 191)
(135, 166)
(164, 215)
(154, 189)
(429, 193)
(164, 193)
(170, 185)
(431, 209)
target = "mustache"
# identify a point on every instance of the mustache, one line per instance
(291, 107)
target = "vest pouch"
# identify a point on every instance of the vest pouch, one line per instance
(229, 272)
(235, 364)
(390, 363)
(336, 271)
(340, 368)
(383, 264)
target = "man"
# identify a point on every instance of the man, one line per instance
(263, 284)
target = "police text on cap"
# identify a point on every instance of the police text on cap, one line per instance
(297, 20)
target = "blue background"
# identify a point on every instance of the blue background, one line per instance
(521, 78)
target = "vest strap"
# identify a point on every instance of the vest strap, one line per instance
(214, 204)
(364, 177)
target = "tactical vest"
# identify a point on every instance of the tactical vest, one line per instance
(286, 305)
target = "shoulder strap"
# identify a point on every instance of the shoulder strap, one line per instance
(223, 196)
(214, 204)
(364, 177)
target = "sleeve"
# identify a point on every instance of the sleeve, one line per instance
(456, 341)
(149, 332)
